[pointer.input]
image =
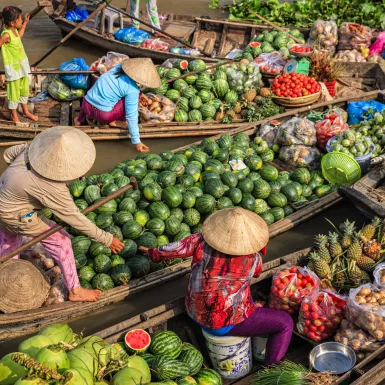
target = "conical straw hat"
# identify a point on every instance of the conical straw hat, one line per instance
(22, 286)
(62, 153)
(142, 71)
(236, 231)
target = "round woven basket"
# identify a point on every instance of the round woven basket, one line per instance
(22, 286)
(297, 102)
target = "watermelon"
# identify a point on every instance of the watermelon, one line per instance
(116, 173)
(163, 240)
(166, 343)
(108, 189)
(104, 179)
(181, 64)
(288, 210)
(109, 207)
(277, 200)
(267, 156)
(46, 212)
(208, 377)
(246, 185)
(291, 193)
(155, 163)
(191, 79)
(267, 217)
(231, 97)
(177, 213)
(166, 155)
(102, 282)
(139, 266)
(214, 187)
(301, 175)
(224, 203)
(165, 367)
(97, 248)
(213, 164)
(221, 87)
(192, 358)
(131, 230)
(104, 220)
(80, 260)
(260, 206)
(179, 85)
(278, 213)
(142, 217)
(181, 115)
(261, 189)
(195, 102)
(175, 166)
(117, 260)
(199, 156)
(173, 73)
(102, 264)
(187, 380)
(156, 226)
(77, 187)
(186, 181)
(137, 341)
(205, 95)
(173, 95)
(269, 173)
(220, 75)
(133, 194)
(189, 200)
(205, 203)
(254, 162)
(92, 180)
(152, 192)
(81, 244)
(161, 90)
(121, 274)
(172, 226)
(247, 202)
(193, 171)
(235, 194)
(137, 172)
(167, 179)
(229, 179)
(172, 197)
(189, 92)
(195, 116)
(148, 240)
(196, 65)
(203, 82)
(81, 204)
(207, 111)
(127, 204)
(191, 217)
(115, 231)
(122, 181)
(130, 248)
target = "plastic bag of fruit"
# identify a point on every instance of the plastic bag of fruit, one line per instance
(271, 63)
(244, 77)
(300, 156)
(320, 315)
(332, 124)
(289, 288)
(352, 55)
(354, 36)
(109, 61)
(156, 44)
(297, 131)
(359, 340)
(269, 131)
(379, 275)
(325, 33)
(366, 309)
(157, 109)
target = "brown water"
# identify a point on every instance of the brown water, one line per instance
(42, 34)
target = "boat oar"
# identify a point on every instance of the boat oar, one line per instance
(207, 54)
(40, 5)
(53, 230)
(275, 26)
(80, 25)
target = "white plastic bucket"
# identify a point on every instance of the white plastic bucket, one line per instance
(259, 347)
(230, 356)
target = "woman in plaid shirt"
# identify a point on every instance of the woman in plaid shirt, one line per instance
(226, 255)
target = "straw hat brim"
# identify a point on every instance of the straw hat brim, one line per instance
(142, 71)
(22, 286)
(236, 231)
(62, 153)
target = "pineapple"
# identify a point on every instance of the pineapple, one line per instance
(365, 263)
(310, 264)
(244, 114)
(356, 275)
(264, 92)
(321, 268)
(220, 115)
(230, 113)
(339, 271)
(372, 249)
(335, 247)
(323, 252)
(238, 108)
(250, 94)
(348, 229)
(354, 250)
(369, 231)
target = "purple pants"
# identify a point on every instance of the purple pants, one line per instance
(275, 323)
(87, 110)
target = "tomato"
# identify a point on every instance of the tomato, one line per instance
(314, 315)
(299, 275)
(305, 329)
(289, 293)
(274, 289)
(281, 293)
(317, 322)
(323, 319)
(317, 339)
(305, 307)
(285, 307)
(311, 335)
(313, 328)
(321, 328)
(285, 280)
(307, 322)
(281, 286)
(329, 325)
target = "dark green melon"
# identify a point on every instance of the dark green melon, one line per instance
(77, 187)
(127, 204)
(104, 220)
(86, 273)
(152, 192)
(156, 226)
(214, 187)
(81, 204)
(191, 217)
(172, 197)
(108, 189)
(177, 213)
(131, 229)
(115, 231)
(80, 260)
(167, 179)
(133, 194)
(110, 207)
(205, 203)
(81, 244)
(102, 263)
(121, 217)
(102, 282)
(139, 266)
(147, 239)
(235, 194)
(130, 248)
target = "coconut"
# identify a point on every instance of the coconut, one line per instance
(140, 364)
(81, 358)
(103, 351)
(53, 357)
(57, 333)
(77, 376)
(10, 371)
(32, 345)
(31, 381)
(127, 376)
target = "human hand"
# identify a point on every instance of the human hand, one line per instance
(143, 100)
(141, 147)
(143, 249)
(26, 19)
(116, 246)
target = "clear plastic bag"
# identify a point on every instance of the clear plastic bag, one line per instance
(160, 109)
(61, 92)
(57, 294)
(333, 123)
(379, 275)
(379, 45)
(156, 44)
(131, 35)
(269, 131)
(359, 340)
(320, 315)
(53, 275)
(352, 55)
(271, 63)
(325, 33)
(289, 288)
(75, 81)
(297, 131)
(300, 156)
(243, 77)
(354, 36)
(39, 257)
(366, 309)
(109, 61)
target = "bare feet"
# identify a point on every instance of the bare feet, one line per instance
(79, 294)
(33, 117)
(113, 124)
(15, 116)
(158, 34)
(76, 122)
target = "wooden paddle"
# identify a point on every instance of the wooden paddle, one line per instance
(207, 54)
(276, 26)
(80, 25)
(53, 230)
(40, 5)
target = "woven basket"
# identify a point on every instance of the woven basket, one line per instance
(297, 102)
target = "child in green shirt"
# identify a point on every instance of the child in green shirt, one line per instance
(15, 61)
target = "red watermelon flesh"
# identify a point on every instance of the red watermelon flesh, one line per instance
(254, 44)
(137, 341)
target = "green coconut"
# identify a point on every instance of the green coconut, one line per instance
(81, 358)
(77, 376)
(138, 363)
(10, 371)
(33, 344)
(128, 376)
(53, 357)
(31, 381)
(103, 351)
(58, 333)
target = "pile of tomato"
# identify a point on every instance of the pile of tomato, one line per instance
(301, 49)
(294, 85)
(321, 315)
(289, 288)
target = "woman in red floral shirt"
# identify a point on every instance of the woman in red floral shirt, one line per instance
(226, 255)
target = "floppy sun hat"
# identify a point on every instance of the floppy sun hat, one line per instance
(62, 153)
(236, 231)
(142, 71)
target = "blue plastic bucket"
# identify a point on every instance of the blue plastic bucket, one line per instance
(363, 161)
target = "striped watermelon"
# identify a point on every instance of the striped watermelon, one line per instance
(179, 85)
(186, 381)
(81, 244)
(207, 111)
(191, 217)
(195, 102)
(196, 65)
(204, 83)
(192, 358)
(132, 230)
(167, 368)
(173, 95)
(220, 75)
(183, 104)
(162, 71)
(189, 92)
(173, 73)
(172, 197)
(205, 95)
(181, 64)
(194, 116)
(181, 115)
(208, 377)
(166, 343)
(205, 203)
(191, 79)
(139, 266)
(77, 187)
(231, 97)
(137, 341)
(221, 88)
(161, 90)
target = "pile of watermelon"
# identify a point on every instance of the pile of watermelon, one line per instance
(58, 355)
(199, 97)
(176, 193)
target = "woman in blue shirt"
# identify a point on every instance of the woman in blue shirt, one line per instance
(115, 95)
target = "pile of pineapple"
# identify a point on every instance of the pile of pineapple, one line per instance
(344, 258)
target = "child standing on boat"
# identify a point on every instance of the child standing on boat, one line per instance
(15, 61)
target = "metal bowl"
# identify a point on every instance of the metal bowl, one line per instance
(332, 357)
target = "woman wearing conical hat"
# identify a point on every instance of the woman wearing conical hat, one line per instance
(37, 177)
(115, 95)
(226, 256)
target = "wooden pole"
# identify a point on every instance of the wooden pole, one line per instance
(207, 54)
(40, 5)
(275, 26)
(80, 25)
(56, 228)
(58, 72)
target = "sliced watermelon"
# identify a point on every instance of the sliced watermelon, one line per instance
(181, 64)
(254, 44)
(137, 341)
